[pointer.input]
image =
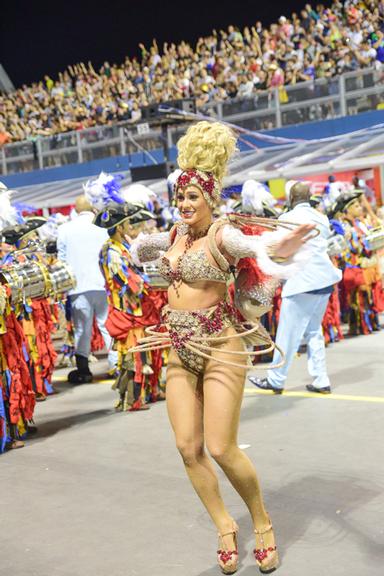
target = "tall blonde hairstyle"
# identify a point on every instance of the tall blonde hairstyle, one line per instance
(207, 146)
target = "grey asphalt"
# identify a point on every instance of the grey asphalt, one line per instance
(98, 493)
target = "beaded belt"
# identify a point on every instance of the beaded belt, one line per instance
(195, 334)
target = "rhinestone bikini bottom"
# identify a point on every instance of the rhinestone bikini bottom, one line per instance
(195, 334)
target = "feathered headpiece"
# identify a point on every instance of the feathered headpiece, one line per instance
(171, 181)
(9, 215)
(139, 194)
(49, 230)
(103, 190)
(255, 197)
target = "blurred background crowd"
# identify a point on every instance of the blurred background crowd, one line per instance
(319, 42)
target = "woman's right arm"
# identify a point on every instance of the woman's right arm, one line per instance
(148, 247)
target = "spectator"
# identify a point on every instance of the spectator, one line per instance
(319, 43)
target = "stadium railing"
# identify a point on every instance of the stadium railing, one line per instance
(345, 95)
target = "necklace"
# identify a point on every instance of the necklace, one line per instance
(176, 275)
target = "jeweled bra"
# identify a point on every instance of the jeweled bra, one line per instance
(194, 267)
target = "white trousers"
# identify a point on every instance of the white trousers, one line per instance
(300, 317)
(84, 307)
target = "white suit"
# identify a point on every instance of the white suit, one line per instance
(304, 300)
(79, 243)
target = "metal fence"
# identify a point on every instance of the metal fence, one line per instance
(322, 99)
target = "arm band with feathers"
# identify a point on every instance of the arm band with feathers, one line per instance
(240, 245)
(147, 247)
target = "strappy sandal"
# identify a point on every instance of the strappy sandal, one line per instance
(228, 559)
(266, 558)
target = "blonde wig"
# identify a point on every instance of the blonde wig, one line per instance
(203, 155)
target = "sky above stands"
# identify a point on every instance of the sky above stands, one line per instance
(38, 38)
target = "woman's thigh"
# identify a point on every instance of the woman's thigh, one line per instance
(223, 394)
(184, 404)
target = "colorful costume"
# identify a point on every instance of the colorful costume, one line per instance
(194, 334)
(130, 310)
(361, 284)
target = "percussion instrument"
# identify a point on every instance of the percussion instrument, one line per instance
(374, 240)
(33, 279)
(337, 244)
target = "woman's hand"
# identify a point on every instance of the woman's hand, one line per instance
(293, 241)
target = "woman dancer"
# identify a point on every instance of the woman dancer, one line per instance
(208, 361)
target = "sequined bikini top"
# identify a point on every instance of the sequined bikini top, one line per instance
(195, 265)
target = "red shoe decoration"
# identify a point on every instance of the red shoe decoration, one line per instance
(266, 558)
(228, 559)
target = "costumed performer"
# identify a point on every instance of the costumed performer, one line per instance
(38, 313)
(208, 361)
(130, 307)
(358, 302)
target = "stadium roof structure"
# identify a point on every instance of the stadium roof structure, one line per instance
(290, 160)
(64, 192)
(300, 158)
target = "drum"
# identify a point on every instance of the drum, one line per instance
(61, 278)
(25, 280)
(337, 244)
(32, 279)
(374, 240)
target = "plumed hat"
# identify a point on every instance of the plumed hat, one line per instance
(103, 190)
(115, 214)
(345, 200)
(12, 234)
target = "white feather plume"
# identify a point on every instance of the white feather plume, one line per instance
(171, 180)
(102, 190)
(255, 196)
(9, 216)
(138, 194)
(49, 230)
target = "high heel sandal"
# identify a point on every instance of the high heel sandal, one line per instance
(267, 559)
(228, 559)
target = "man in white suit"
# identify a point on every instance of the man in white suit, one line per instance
(79, 243)
(304, 301)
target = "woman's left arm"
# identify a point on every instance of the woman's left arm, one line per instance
(279, 253)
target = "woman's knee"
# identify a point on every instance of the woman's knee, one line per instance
(222, 452)
(190, 451)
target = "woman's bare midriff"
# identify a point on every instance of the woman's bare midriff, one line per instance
(196, 296)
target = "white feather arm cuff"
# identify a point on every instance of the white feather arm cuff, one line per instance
(240, 245)
(147, 247)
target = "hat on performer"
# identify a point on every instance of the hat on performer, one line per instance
(13, 234)
(345, 200)
(315, 200)
(140, 195)
(115, 214)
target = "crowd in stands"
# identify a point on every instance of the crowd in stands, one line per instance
(320, 42)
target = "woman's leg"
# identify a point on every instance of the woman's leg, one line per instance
(185, 409)
(223, 393)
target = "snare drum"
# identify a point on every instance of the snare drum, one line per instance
(61, 278)
(374, 240)
(32, 279)
(25, 280)
(337, 244)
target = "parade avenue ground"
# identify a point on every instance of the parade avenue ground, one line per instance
(99, 493)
